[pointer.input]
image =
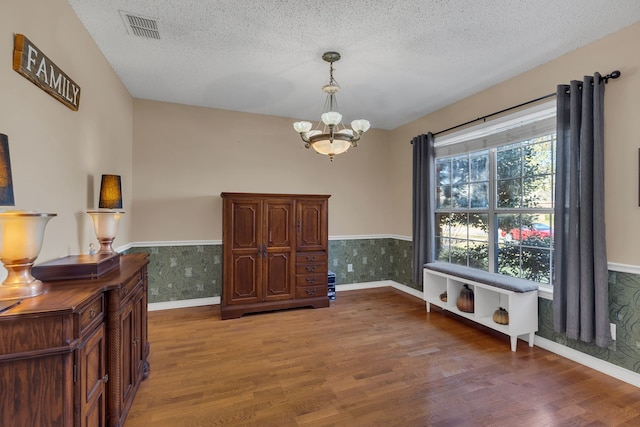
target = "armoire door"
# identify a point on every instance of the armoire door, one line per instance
(312, 230)
(278, 251)
(243, 267)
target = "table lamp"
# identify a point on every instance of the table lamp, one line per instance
(21, 236)
(106, 217)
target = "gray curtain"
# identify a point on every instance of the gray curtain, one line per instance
(423, 203)
(580, 286)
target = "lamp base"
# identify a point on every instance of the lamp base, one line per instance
(105, 223)
(20, 283)
(106, 245)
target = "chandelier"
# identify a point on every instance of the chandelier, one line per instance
(330, 136)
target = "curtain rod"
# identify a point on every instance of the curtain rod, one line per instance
(613, 75)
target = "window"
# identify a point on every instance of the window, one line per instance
(494, 195)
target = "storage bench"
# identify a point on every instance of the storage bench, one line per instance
(491, 291)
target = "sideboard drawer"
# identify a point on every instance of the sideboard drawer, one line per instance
(91, 314)
(129, 287)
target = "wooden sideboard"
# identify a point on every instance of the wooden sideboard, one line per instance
(75, 355)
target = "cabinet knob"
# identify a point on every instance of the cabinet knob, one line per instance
(311, 268)
(311, 291)
(311, 258)
(105, 378)
(310, 279)
(125, 290)
(92, 313)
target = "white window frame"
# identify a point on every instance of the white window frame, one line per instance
(481, 136)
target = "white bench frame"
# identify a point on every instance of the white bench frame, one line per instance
(522, 306)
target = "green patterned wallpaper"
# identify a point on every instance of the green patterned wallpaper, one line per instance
(195, 271)
(624, 311)
(183, 272)
(372, 260)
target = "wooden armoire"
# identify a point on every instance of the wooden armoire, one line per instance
(275, 249)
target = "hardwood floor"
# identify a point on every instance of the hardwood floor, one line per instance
(374, 358)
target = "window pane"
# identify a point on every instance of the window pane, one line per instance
(443, 171)
(458, 251)
(460, 196)
(538, 192)
(479, 255)
(509, 193)
(509, 162)
(443, 197)
(479, 166)
(538, 157)
(479, 195)
(442, 225)
(460, 169)
(459, 225)
(536, 264)
(479, 227)
(442, 249)
(509, 259)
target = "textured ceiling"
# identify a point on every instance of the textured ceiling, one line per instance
(401, 59)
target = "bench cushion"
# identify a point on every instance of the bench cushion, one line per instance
(492, 279)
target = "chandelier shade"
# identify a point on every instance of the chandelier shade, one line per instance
(331, 137)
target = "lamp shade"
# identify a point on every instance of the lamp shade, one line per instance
(110, 192)
(6, 181)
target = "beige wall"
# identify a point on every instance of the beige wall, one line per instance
(622, 113)
(186, 156)
(58, 155)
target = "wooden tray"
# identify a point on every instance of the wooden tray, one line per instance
(76, 267)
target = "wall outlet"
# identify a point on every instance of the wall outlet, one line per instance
(613, 330)
(350, 268)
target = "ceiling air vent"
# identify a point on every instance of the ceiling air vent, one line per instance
(140, 26)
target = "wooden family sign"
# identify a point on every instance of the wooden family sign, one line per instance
(29, 61)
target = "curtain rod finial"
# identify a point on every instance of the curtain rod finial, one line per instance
(612, 75)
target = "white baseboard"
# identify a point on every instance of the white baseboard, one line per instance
(607, 368)
(366, 285)
(185, 303)
(600, 365)
(380, 284)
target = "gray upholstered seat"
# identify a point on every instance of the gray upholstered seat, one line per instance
(492, 279)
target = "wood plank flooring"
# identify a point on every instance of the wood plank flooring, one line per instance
(374, 358)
